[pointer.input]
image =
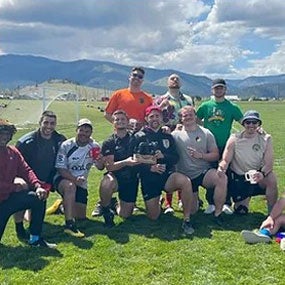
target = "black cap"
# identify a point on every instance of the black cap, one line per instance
(219, 82)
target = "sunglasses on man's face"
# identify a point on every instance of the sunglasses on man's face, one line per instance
(253, 122)
(136, 75)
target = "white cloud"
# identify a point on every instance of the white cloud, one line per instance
(188, 35)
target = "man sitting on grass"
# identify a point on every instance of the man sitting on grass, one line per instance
(270, 226)
(160, 174)
(13, 196)
(73, 162)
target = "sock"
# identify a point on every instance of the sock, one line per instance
(265, 231)
(34, 238)
(19, 226)
(68, 223)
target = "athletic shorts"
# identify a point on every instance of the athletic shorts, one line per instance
(198, 181)
(128, 190)
(81, 195)
(241, 189)
(152, 188)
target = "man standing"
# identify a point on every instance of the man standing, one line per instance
(160, 175)
(122, 175)
(39, 149)
(197, 150)
(171, 103)
(73, 162)
(132, 100)
(13, 197)
(218, 115)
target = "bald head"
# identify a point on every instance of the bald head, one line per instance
(174, 81)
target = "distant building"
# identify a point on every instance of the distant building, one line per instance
(230, 97)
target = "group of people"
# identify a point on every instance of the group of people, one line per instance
(162, 144)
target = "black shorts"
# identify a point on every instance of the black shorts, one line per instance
(128, 190)
(241, 189)
(152, 188)
(196, 182)
(81, 195)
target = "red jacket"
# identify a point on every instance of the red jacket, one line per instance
(12, 164)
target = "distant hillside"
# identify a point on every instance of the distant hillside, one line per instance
(18, 70)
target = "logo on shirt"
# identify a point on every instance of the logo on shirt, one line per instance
(166, 143)
(256, 147)
(141, 100)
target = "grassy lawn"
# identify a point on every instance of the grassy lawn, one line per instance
(139, 251)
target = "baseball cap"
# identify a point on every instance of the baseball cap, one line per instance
(83, 122)
(152, 108)
(5, 125)
(219, 82)
(251, 115)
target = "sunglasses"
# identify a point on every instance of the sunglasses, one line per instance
(254, 122)
(136, 75)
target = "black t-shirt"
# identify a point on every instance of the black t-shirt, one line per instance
(120, 148)
(45, 159)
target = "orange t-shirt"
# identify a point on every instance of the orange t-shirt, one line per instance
(134, 104)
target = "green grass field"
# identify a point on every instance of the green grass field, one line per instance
(139, 251)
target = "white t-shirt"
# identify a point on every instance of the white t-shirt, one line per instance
(77, 159)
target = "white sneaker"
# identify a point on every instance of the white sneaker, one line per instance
(180, 205)
(169, 210)
(210, 209)
(227, 210)
(255, 237)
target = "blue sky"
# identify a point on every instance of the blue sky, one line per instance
(216, 38)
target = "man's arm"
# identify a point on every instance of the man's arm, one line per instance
(227, 154)
(108, 117)
(268, 158)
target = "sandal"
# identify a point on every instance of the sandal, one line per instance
(241, 210)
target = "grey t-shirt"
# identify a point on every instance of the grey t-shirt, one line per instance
(200, 139)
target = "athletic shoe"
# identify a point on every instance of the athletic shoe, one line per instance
(180, 204)
(168, 210)
(42, 243)
(210, 209)
(136, 209)
(72, 230)
(97, 212)
(219, 220)
(54, 208)
(227, 210)
(255, 237)
(187, 228)
(109, 219)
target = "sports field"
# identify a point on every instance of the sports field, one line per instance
(139, 251)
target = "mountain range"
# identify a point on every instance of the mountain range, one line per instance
(21, 70)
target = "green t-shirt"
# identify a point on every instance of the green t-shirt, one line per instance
(218, 118)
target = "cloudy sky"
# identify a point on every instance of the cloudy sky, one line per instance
(229, 38)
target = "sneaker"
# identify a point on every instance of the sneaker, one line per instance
(54, 207)
(97, 212)
(136, 209)
(109, 219)
(210, 209)
(42, 243)
(227, 210)
(255, 237)
(187, 228)
(180, 205)
(169, 210)
(73, 231)
(219, 220)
